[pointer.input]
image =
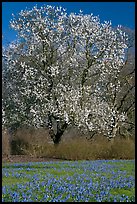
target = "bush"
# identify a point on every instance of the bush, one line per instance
(37, 143)
(5, 143)
(18, 146)
(101, 148)
(123, 149)
(29, 141)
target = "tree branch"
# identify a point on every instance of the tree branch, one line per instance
(124, 97)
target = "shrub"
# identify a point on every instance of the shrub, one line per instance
(5, 143)
(29, 141)
(37, 143)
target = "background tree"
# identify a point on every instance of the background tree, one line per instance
(127, 93)
(63, 70)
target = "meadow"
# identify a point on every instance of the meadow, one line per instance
(74, 181)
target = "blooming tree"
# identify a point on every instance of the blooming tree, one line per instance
(63, 70)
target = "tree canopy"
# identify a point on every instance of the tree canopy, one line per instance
(64, 70)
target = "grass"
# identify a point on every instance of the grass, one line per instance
(11, 181)
(74, 181)
(128, 192)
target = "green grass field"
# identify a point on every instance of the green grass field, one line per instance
(76, 181)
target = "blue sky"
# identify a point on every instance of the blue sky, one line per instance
(120, 13)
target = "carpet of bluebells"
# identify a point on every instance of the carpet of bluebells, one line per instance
(74, 181)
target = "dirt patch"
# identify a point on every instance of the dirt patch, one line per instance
(25, 158)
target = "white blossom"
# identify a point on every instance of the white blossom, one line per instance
(66, 66)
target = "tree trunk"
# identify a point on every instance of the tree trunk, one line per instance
(56, 137)
(114, 132)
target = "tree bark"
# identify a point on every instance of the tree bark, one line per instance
(61, 127)
(114, 132)
(60, 131)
